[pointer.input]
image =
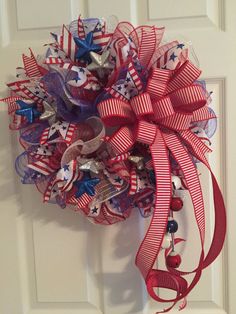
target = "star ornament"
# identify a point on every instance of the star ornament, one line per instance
(48, 114)
(86, 185)
(85, 46)
(90, 165)
(100, 62)
(138, 161)
(27, 110)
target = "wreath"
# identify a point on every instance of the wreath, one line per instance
(114, 120)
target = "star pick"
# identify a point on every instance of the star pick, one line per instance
(85, 46)
(86, 185)
(49, 113)
(29, 111)
(99, 62)
(137, 160)
(90, 165)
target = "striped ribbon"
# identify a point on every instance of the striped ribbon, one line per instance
(31, 66)
(171, 102)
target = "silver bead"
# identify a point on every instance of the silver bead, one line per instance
(176, 182)
(166, 241)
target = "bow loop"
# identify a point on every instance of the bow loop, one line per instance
(177, 122)
(115, 112)
(158, 82)
(123, 140)
(142, 105)
(185, 75)
(146, 132)
(188, 99)
(162, 108)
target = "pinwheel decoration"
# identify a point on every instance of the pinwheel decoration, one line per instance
(113, 122)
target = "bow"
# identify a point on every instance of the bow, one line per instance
(161, 118)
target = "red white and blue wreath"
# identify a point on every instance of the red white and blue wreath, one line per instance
(113, 122)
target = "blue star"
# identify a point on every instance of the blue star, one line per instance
(82, 70)
(29, 111)
(85, 46)
(76, 79)
(180, 46)
(86, 185)
(66, 168)
(95, 210)
(173, 56)
(118, 180)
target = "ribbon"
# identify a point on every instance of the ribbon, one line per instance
(171, 102)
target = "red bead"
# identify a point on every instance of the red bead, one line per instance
(176, 204)
(173, 260)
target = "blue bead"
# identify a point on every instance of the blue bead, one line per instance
(172, 226)
(152, 177)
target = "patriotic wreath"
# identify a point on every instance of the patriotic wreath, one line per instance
(113, 121)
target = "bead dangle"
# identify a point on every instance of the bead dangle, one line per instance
(173, 259)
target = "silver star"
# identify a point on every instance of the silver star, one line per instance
(90, 165)
(138, 161)
(49, 113)
(100, 62)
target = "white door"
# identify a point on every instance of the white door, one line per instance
(53, 261)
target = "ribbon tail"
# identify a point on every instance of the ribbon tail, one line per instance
(220, 211)
(220, 224)
(169, 278)
(182, 157)
(151, 244)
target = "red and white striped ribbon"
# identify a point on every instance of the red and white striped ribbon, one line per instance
(81, 32)
(53, 60)
(31, 66)
(150, 38)
(67, 44)
(119, 158)
(12, 104)
(152, 241)
(133, 182)
(43, 166)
